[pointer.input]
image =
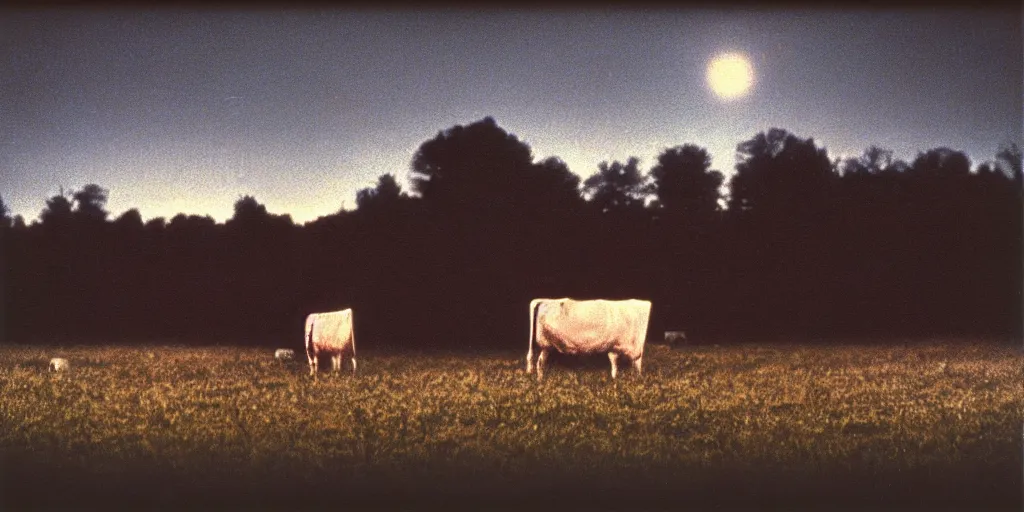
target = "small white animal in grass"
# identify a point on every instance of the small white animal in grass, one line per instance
(284, 354)
(59, 364)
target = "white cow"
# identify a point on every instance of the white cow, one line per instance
(284, 354)
(330, 333)
(576, 327)
(59, 364)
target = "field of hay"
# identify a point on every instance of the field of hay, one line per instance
(917, 425)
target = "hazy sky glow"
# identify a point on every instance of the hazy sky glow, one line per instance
(183, 112)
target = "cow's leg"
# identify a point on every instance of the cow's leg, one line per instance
(541, 359)
(311, 353)
(613, 357)
(637, 364)
(353, 365)
(336, 362)
(529, 360)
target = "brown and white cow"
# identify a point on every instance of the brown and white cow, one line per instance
(330, 333)
(578, 327)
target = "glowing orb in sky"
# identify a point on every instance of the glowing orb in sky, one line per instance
(730, 75)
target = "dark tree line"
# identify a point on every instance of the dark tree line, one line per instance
(801, 246)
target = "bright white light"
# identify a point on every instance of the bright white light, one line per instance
(730, 75)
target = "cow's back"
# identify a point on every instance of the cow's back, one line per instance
(330, 331)
(591, 326)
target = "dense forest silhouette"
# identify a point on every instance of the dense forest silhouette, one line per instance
(802, 246)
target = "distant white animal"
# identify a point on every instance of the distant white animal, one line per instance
(59, 364)
(330, 333)
(577, 327)
(675, 337)
(284, 354)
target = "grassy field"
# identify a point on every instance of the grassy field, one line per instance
(915, 426)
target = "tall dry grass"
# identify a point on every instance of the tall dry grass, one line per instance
(230, 415)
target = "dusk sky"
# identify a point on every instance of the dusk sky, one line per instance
(184, 112)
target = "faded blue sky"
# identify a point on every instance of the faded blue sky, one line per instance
(183, 112)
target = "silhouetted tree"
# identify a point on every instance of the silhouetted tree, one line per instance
(385, 195)
(191, 226)
(863, 245)
(252, 223)
(934, 188)
(90, 202)
(781, 199)
(617, 187)
(191, 256)
(779, 173)
(487, 204)
(876, 159)
(470, 169)
(5, 217)
(131, 220)
(156, 224)
(873, 161)
(248, 209)
(57, 212)
(940, 163)
(687, 212)
(869, 182)
(685, 185)
(553, 188)
(868, 237)
(252, 241)
(1009, 158)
